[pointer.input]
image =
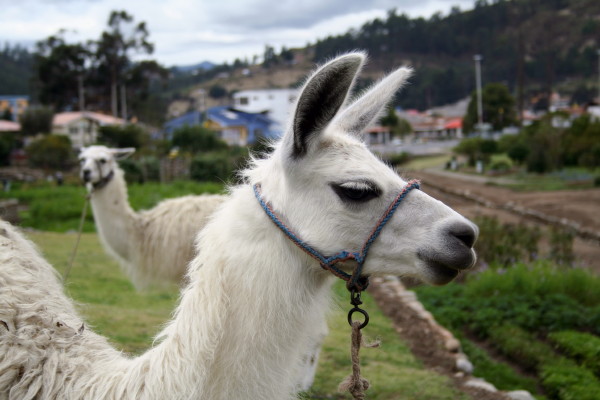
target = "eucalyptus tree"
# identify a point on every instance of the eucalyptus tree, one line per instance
(60, 72)
(114, 49)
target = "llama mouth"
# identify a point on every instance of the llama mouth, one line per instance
(440, 274)
(442, 270)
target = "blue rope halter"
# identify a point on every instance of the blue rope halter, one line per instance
(354, 282)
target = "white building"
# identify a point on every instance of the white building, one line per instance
(275, 102)
(82, 126)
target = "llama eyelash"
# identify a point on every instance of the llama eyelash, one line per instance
(356, 191)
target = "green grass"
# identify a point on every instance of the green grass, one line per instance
(58, 208)
(423, 162)
(111, 307)
(568, 178)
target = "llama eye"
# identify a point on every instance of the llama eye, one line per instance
(102, 161)
(81, 161)
(356, 192)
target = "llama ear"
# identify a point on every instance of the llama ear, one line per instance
(321, 98)
(368, 107)
(121, 154)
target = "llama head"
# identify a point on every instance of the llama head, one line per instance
(98, 164)
(332, 190)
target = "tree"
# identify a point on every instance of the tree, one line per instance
(477, 148)
(114, 48)
(60, 72)
(498, 108)
(6, 115)
(217, 92)
(36, 120)
(398, 126)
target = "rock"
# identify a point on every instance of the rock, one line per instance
(464, 365)
(481, 384)
(520, 395)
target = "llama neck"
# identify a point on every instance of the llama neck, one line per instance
(243, 322)
(115, 219)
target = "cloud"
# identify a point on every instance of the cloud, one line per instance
(189, 31)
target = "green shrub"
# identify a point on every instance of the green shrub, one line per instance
(211, 167)
(521, 346)
(398, 158)
(51, 151)
(583, 347)
(129, 135)
(564, 380)
(133, 171)
(195, 139)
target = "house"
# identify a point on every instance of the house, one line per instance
(378, 135)
(9, 126)
(428, 126)
(276, 103)
(234, 126)
(82, 127)
(238, 127)
(15, 105)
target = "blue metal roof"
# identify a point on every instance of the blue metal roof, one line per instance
(226, 116)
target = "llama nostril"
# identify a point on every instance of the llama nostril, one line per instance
(86, 174)
(463, 232)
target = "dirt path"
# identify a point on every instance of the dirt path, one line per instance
(580, 207)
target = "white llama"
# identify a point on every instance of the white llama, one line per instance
(253, 296)
(153, 246)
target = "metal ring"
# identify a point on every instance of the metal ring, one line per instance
(363, 312)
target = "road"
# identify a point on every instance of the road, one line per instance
(422, 148)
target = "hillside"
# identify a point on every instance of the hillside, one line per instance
(533, 46)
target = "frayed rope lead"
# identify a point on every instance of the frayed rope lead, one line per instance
(355, 383)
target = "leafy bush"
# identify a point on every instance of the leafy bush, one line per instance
(218, 166)
(133, 171)
(583, 347)
(51, 151)
(36, 120)
(195, 139)
(211, 167)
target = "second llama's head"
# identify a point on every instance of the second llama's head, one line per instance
(99, 163)
(331, 190)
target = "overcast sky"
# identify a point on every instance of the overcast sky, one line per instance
(190, 31)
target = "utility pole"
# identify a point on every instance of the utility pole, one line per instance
(598, 52)
(478, 59)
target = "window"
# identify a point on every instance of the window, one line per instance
(243, 101)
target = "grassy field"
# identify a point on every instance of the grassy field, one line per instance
(129, 319)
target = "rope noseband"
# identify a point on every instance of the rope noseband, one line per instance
(355, 282)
